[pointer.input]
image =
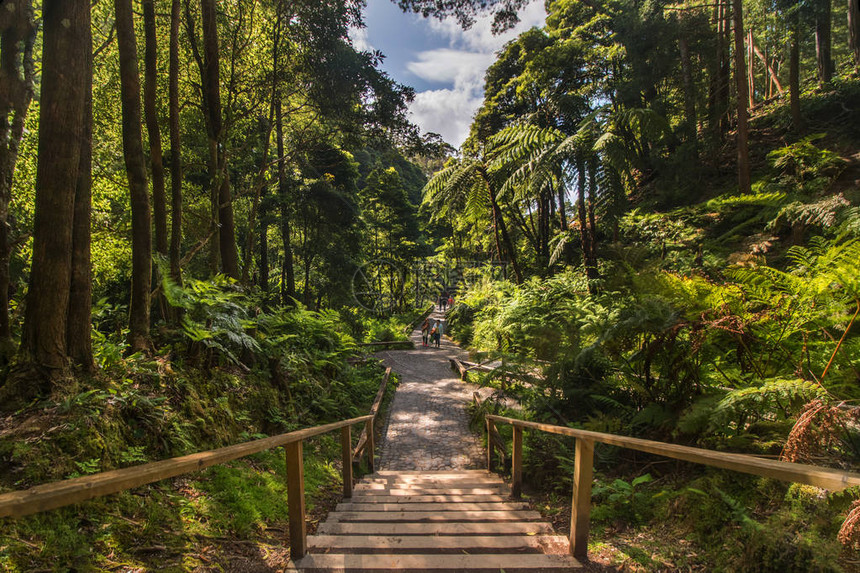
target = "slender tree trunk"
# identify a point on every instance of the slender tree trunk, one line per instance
(744, 181)
(288, 286)
(135, 165)
(592, 197)
(562, 210)
(17, 37)
(79, 324)
(61, 130)
(499, 223)
(774, 77)
(750, 69)
(585, 236)
(150, 88)
(794, 71)
(264, 247)
(718, 98)
(223, 202)
(823, 41)
(175, 146)
(691, 121)
(854, 31)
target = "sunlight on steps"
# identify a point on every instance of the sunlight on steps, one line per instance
(435, 521)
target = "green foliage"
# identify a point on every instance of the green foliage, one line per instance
(622, 500)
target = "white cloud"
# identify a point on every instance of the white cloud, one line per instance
(449, 111)
(360, 40)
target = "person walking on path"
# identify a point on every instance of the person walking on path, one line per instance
(434, 332)
(425, 331)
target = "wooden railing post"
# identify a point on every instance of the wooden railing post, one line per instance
(517, 463)
(490, 428)
(296, 499)
(371, 445)
(346, 455)
(581, 510)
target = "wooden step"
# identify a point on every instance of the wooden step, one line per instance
(382, 499)
(433, 563)
(441, 528)
(428, 516)
(433, 483)
(440, 507)
(407, 473)
(550, 544)
(378, 489)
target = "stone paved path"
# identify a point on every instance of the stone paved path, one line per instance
(428, 427)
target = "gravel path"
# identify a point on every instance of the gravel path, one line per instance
(428, 427)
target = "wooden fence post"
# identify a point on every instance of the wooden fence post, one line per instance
(581, 510)
(346, 454)
(296, 499)
(371, 445)
(489, 445)
(517, 463)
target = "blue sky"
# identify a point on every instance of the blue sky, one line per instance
(443, 63)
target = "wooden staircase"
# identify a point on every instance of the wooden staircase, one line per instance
(435, 521)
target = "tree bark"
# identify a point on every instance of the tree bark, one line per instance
(773, 75)
(718, 97)
(750, 61)
(499, 223)
(691, 122)
(794, 71)
(17, 37)
(61, 129)
(823, 41)
(854, 30)
(79, 339)
(288, 275)
(585, 236)
(744, 180)
(223, 202)
(150, 88)
(135, 165)
(175, 146)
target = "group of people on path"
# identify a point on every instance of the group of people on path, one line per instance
(445, 300)
(431, 331)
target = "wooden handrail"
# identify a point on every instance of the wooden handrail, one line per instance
(369, 426)
(67, 492)
(828, 478)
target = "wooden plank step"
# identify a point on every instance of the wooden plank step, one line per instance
(440, 507)
(378, 489)
(550, 544)
(425, 516)
(443, 528)
(429, 473)
(356, 498)
(433, 483)
(436, 477)
(433, 563)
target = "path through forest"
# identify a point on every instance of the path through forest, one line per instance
(427, 426)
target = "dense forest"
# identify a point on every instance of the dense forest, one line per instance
(207, 207)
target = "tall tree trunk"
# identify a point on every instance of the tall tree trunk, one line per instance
(562, 211)
(223, 202)
(592, 197)
(854, 31)
(585, 236)
(17, 37)
(175, 146)
(774, 77)
(264, 246)
(794, 70)
(135, 165)
(288, 279)
(499, 222)
(750, 69)
(61, 129)
(150, 88)
(823, 41)
(718, 97)
(691, 121)
(264, 162)
(79, 323)
(744, 181)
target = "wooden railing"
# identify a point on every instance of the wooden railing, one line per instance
(366, 439)
(827, 478)
(68, 492)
